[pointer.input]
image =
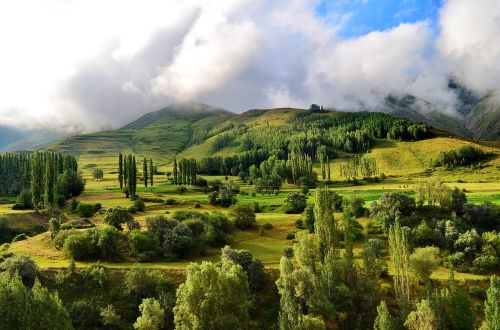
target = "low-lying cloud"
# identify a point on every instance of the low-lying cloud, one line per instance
(89, 64)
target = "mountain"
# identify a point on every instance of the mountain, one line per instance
(13, 139)
(160, 134)
(476, 117)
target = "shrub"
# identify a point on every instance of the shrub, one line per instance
(170, 201)
(86, 210)
(117, 216)
(253, 267)
(97, 173)
(218, 229)
(391, 206)
(243, 215)
(141, 283)
(197, 205)
(299, 224)
(181, 190)
(290, 236)
(18, 206)
(357, 205)
(268, 226)
(74, 205)
(77, 224)
(85, 315)
(295, 203)
(142, 242)
(139, 205)
(183, 215)
(308, 218)
(23, 265)
(25, 199)
(70, 184)
(99, 243)
(20, 237)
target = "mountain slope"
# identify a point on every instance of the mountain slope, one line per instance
(160, 134)
(484, 118)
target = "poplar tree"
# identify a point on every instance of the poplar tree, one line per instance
(384, 320)
(399, 250)
(151, 172)
(175, 173)
(120, 170)
(50, 182)
(145, 175)
(324, 224)
(36, 180)
(492, 304)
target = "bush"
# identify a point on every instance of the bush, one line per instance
(86, 210)
(197, 205)
(243, 215)
(74, 205)
(61, 200)
(99, 243)
(170, 201)
(295, 203)
(139, 205)
(391, 206)
(218, 229)
(24, 199)
(357, 206)
(117, 216)
(299, 224)
(142, 242)
(85, 315)
(308, 218)
(183, 215)
(20, 237)
(181, 190)
(290, 236)
(97, 173)
(18, 206)
(77, 224)
(268, 226)
(140, 283)
(23, 265)
(253, 267)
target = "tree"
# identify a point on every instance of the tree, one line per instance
(145, 175)
(24, 308)
(50, 196)
(23, 265)
(120, 170)
(492, 304)
(384, 320)
(399, 250)
(295, 203)
(97, 173)
(151, 315)
(214, 296)
(422, 318)
(117, 216)
(70, 184)
(175, 172)
(423, 261)
(243, 215)
(151, 172)
(36, 180)
(324, 224)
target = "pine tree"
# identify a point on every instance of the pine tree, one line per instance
(120, 170)
(145, 175)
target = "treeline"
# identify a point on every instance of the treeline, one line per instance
(15, 173)
(366, 166)
(463, 156)
(127, 175)
(184, 172)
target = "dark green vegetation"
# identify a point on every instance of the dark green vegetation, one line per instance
(332, 220)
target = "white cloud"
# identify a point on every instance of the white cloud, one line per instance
(86, 64)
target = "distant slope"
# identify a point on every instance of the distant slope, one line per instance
(160, 134)
(12, 139)
(484, 118)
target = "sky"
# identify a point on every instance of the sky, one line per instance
(86, 65)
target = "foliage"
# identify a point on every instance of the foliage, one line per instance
(212, 287)
(422, 318)
(87, 210)
(97, 173)
(391, 207)
(243, 215)
(23, 265)
(384, 320)
(151, 315)
(35, 308)
(295, 203)
(463, 156)
(492, 304)
(85, 315)
(117, 216)
(423, 261)
(253, 267)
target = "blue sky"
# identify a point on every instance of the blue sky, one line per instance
(370, 15)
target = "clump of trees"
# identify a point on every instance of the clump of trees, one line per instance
(462, 156)
(127, 175)
(184, 171)
(366, 166)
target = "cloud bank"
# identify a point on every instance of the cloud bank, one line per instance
(89, 64)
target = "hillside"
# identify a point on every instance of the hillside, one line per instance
(160, 134)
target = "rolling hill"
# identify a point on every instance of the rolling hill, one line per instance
(190, 131)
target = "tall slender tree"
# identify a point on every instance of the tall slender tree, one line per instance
(399, 249)
(145, 175)
(50, 182)
(175, 172)
(120, 170)
(36, 179)
(324, 224)
(151, 172)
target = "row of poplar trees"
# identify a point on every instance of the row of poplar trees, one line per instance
(184, 171)
(127, 174)
(45, 168)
